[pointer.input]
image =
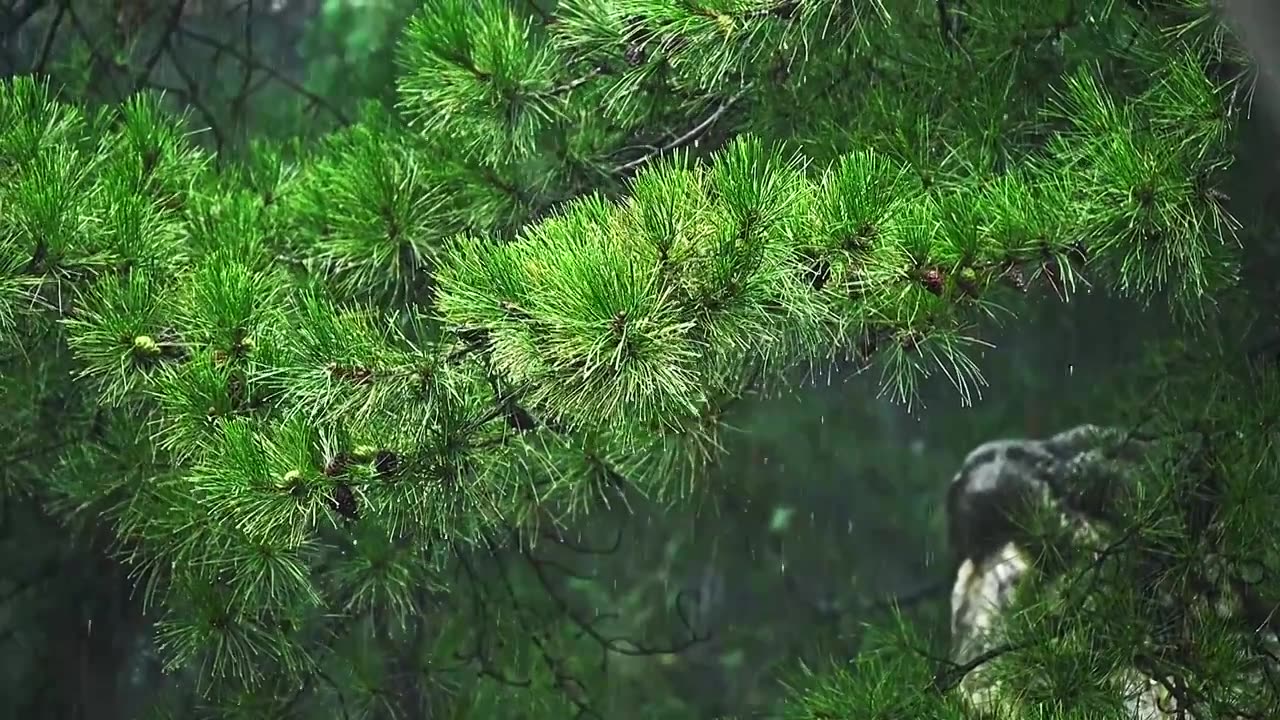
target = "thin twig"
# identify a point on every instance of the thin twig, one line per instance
(684, 139)
(249, 61)
(47, 45)
(171, 24)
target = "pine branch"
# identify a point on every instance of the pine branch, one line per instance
(613, 333)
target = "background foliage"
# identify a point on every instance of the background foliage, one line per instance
(380, 468)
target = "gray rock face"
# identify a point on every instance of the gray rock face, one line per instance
(997, 487)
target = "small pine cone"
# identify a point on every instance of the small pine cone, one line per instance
(386, 462)
(353, 374)
(634, 54)
(343, 501)
(967, 281)
(293, 484)
(933, 280)
(337, 464)
(145, 345)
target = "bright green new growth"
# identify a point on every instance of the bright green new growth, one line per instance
(327, 376)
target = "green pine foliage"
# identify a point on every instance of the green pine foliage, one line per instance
(327, 399)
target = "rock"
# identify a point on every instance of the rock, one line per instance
(1073, 476)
